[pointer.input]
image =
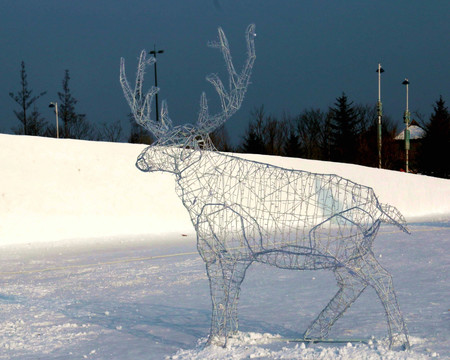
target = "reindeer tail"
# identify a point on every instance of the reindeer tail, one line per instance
(391, 215)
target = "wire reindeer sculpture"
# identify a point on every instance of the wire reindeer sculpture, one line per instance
(245, 211)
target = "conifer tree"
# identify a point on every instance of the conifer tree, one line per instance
(32, 123)
(253, 141)
(37, 125)
(344, 131)
(75, 125)
(434, 159)
(292, 146)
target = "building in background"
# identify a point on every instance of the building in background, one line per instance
(416, 135)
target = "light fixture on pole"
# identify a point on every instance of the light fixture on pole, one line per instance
(407, 118)
(154, 52)
(380, 113)
(55, 105)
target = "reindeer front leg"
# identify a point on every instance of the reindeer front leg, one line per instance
(222, 241)
(225, 277)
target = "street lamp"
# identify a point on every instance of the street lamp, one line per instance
(379, 112)
(55, 105)
(406, 118)
(154, 52)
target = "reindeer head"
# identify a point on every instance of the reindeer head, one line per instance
(177, 147)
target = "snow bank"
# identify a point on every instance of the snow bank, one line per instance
(56, 189)
(258, 346)
(69, 189)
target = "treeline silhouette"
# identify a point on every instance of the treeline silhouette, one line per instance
(345, 132)
(71, 125)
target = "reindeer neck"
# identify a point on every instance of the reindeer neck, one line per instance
(192, 184)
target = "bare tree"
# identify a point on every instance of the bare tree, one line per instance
(221, 140)
(311, 127)
(367, 125)
(265, 134)
(111, 131)
(138, 134)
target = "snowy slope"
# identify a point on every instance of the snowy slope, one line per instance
(71, 189)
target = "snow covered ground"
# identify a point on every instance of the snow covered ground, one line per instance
(98, 261)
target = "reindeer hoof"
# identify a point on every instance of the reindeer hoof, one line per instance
(216, 340)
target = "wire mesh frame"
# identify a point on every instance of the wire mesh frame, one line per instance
(245, 211)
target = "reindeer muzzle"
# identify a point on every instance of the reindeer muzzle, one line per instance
(142, 165)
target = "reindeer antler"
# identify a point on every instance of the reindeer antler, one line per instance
(141, 104)
(230, 100)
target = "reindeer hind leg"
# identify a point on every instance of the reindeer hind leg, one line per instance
(350, 288)
(381, 280)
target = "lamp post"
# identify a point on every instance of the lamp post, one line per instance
(406, 118)
(55, 105)
(380, 113)
(154, 52)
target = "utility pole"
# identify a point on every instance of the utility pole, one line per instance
(407, 118)
(55, 105)
(380, 114)
(154, 52)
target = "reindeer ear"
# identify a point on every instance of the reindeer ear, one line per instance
(191, 154)
(165, 119)
(203, 114)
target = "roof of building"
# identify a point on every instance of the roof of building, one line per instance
(415, 132)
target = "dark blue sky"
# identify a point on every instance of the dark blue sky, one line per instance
(308, 53)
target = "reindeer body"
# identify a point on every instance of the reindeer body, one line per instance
(245, 211)
(258, 211)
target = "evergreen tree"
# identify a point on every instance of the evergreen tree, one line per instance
(32, 123)
(37, 125)
(292, 146)
(253, 141)
(344, 131)
(75, 125)
(434, 158)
